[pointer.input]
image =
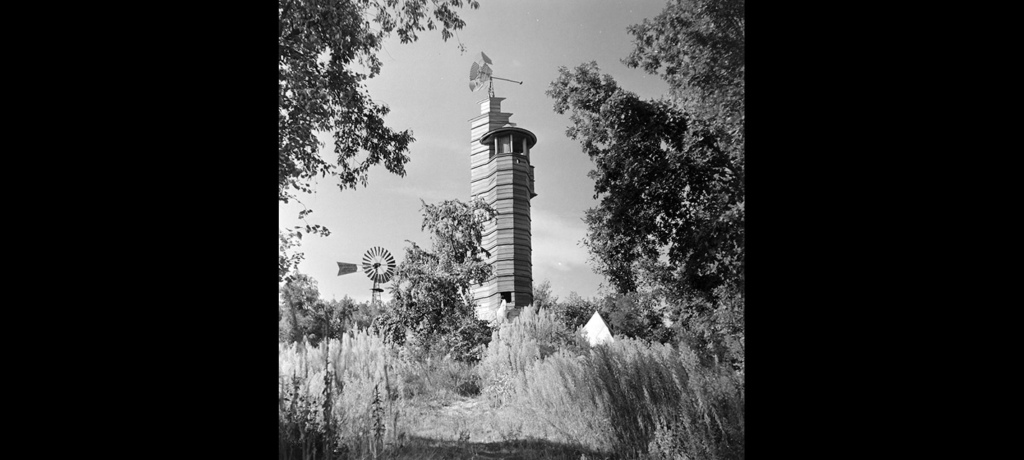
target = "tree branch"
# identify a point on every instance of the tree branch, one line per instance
(280, 20)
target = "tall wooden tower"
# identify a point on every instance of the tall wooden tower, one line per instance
(501, 174)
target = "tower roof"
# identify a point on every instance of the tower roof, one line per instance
(531, 138)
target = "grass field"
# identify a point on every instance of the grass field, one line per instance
(537, 393)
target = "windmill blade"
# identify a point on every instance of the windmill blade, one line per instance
(486, 59)
(485, 70)
(472, 86)
(474, 71)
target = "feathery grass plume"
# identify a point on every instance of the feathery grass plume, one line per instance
(559, 393)
(301, 398)
(518, 344)
(358, 364)
(636, 399)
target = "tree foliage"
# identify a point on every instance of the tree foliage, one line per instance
(431, 297)
(671, 201)
(300, 301)
(636, 315)
(542, 296)
(303, 314)
(574, 311)
(697, 47)
(322, 47)
(669, 173)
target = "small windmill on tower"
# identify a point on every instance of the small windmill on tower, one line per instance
(479, 74)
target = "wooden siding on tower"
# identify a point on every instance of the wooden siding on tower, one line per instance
(506, 182)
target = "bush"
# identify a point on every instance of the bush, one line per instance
(426, 372)
(468, 342)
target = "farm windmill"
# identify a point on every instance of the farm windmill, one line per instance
(481, 73)
(379, 266)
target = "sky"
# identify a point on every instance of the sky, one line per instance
(426, 86)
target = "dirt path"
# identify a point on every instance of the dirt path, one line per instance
(469, 428)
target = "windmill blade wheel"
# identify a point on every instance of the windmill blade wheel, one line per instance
(378, 264)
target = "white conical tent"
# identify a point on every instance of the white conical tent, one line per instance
(597, 331)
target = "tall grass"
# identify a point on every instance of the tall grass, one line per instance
(432, 374)
(350, 412)
(640, 400)
(518, 345)
(630, 398)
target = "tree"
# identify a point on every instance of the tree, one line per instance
(299, 297)
(635, 315)
(542, 296)
(362, 313)
(671, 201)
(431, 293)
(575, 311)
(669, 173)
(303, 314)
(697, 47)
(319, 90)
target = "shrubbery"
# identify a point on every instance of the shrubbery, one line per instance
(429, 372)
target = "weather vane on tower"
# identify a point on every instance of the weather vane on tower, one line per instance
(480, 73)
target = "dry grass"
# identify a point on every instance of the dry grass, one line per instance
(630, 398)
(470, 428)
(544, 397)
